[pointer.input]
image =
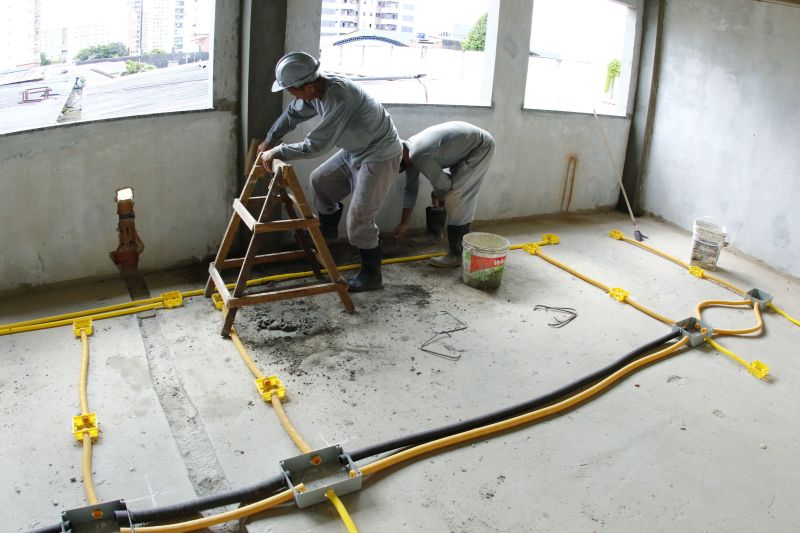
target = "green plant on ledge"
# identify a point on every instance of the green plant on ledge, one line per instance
(613, 71)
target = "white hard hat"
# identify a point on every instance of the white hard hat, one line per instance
(295, 69)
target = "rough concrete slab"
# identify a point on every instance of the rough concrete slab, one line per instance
(694, 441)
(135, 458)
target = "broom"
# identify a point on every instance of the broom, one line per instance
(636, 232)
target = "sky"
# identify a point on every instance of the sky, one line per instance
(435, 16)
(61, 13)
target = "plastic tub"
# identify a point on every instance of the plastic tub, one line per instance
(708, 238)
(484, 259)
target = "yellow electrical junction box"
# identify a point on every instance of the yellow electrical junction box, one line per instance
(85, 424)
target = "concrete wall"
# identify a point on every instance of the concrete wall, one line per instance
(726, 140)
(528, 173)
(58, 218)
(57, 212)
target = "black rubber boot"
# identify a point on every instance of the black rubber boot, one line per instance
(369, 276)
(452, 259)
(435, 218)
(329, 224)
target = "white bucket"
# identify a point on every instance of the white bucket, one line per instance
(708, 238)
(484, 259)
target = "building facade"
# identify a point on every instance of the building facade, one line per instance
(388, 17)
(19, 34)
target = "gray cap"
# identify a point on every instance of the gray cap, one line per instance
(294, 70)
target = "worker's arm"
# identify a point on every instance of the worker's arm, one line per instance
(409, 200)
(401, 229)
(440, 180)
(298, 111)
(340, 108)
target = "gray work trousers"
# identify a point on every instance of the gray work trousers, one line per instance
(369, 183)
(467, 176)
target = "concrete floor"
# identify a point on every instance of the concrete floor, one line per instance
(693, 443)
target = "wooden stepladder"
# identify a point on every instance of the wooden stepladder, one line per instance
(283, 189)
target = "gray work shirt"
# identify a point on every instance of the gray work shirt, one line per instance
(436, 148)
(351, 120)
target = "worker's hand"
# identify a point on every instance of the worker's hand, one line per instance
(267, 157)
(436, 201)
(399, 231)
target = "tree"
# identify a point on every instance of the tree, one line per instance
(43, 59)
(102, 51)
(476, 39)
(157, 51)
(134, 67)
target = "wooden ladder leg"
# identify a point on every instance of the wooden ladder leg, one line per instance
(233, 225)
(319, 242)
(302, 236)
(249, 258)
(333, 272)
(222, 253)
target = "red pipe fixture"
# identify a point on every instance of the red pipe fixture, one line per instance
(126, 256)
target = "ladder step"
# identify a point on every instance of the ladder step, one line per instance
(284, 225)
(266, 258)
(244, 214)
(219, 283)
(284, 294)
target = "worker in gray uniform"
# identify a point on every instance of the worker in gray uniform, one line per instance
(465, 151)
(365, 165)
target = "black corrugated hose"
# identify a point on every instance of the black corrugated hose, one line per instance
(270, 486)
(508, 412)
(258, 491)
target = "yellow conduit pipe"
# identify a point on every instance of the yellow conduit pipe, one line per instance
(648, 311)
(86, 469)
(527, 418)
(784, 314)
(724, 303)
(424, 448)
(80, 314)
(244, 355)
(82, 397)
(88, 483)
(655, 251)
(727, 352)
(288, 426)
(724, 283)
(200, 523)
(710, 277)
(677, 261)
(13, 328)
(572, 271)
(298, 440)
(604, 287)
(137, 306)
(343, 514)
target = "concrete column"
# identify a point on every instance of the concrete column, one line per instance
(508, 37)
(263, 24)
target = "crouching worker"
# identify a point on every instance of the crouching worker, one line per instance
(465, 150)
(365, 165)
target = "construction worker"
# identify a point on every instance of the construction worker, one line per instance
(465, 151)
(365, 165)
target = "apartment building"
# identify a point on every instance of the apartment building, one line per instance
(19, 34)
(340, 17)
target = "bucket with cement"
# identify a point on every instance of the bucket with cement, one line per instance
(484, 259)
(708, 238)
